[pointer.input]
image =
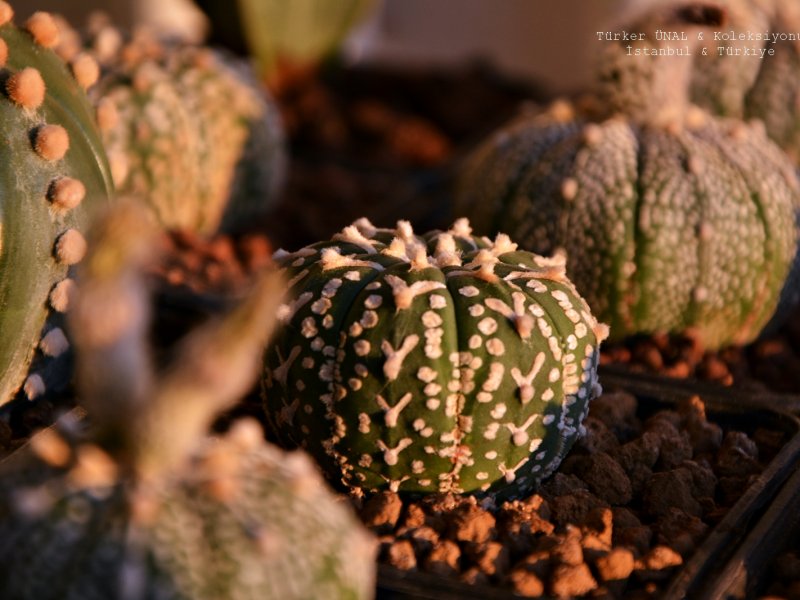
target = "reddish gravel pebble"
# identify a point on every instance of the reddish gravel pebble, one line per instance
(629, 505)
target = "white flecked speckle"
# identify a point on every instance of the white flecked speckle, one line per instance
(475, 342)
(432, 389)
(433, 403)
(426, 374)
(495, 347)
(487, 326)
(469, 291)
(484, 397)
(364, 423)
(373, 301)
(476, 310)
(498, 411)
(431, 319)
(308, 328)
(437, 301)
(369, 319)
(361, 347)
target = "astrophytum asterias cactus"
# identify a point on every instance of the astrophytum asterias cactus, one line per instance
(187, 129)
(143, 507)
(52, 171)
(671, 219)
(444, 362)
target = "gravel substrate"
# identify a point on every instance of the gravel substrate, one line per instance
(631, 502)
(771, 363)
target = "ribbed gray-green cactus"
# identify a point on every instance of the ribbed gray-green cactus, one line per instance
(140, 506)
(762, 84)
(188, 130)
(435, 363)
(775, 95)
(671, 219)
(53, 170)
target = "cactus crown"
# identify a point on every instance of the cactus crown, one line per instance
(53, 171)
(655, 88)
(443, 362)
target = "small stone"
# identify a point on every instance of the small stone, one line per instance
(400, 555)
(472, 524)
(568, 581)
(526, 583)
(26, 88)
(671, 489)
(493, 558)
(51, 142)
(616, 565)
(660, 557)
(382, 511)
(43, 29)
(443, 559)
(606, 478)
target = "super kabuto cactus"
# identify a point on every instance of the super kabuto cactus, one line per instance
(188, 130)
(445, 362)
(671, 219)
(140, 505)
(53, 169)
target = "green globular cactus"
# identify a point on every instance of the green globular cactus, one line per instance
(53, 170)
(774, 96)
(721, 79)
(143, 505)
(441, 363)
(299, 33)
(763, 84)
(187, 129)
(671, 219)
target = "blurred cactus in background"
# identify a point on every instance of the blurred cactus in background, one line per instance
(279, 34)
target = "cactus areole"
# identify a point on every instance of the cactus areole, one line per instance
(52, 171)
(440, 363)
(671, 219)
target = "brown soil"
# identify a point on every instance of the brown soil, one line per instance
(771, 363)
(630, 503)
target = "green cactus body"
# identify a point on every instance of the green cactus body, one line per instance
(301, 32)
(671, 219)
(775, 95)
(190, 132)
(245, 520)
(144, 505)
(53, 170)
(720, 80)
(437, 363)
